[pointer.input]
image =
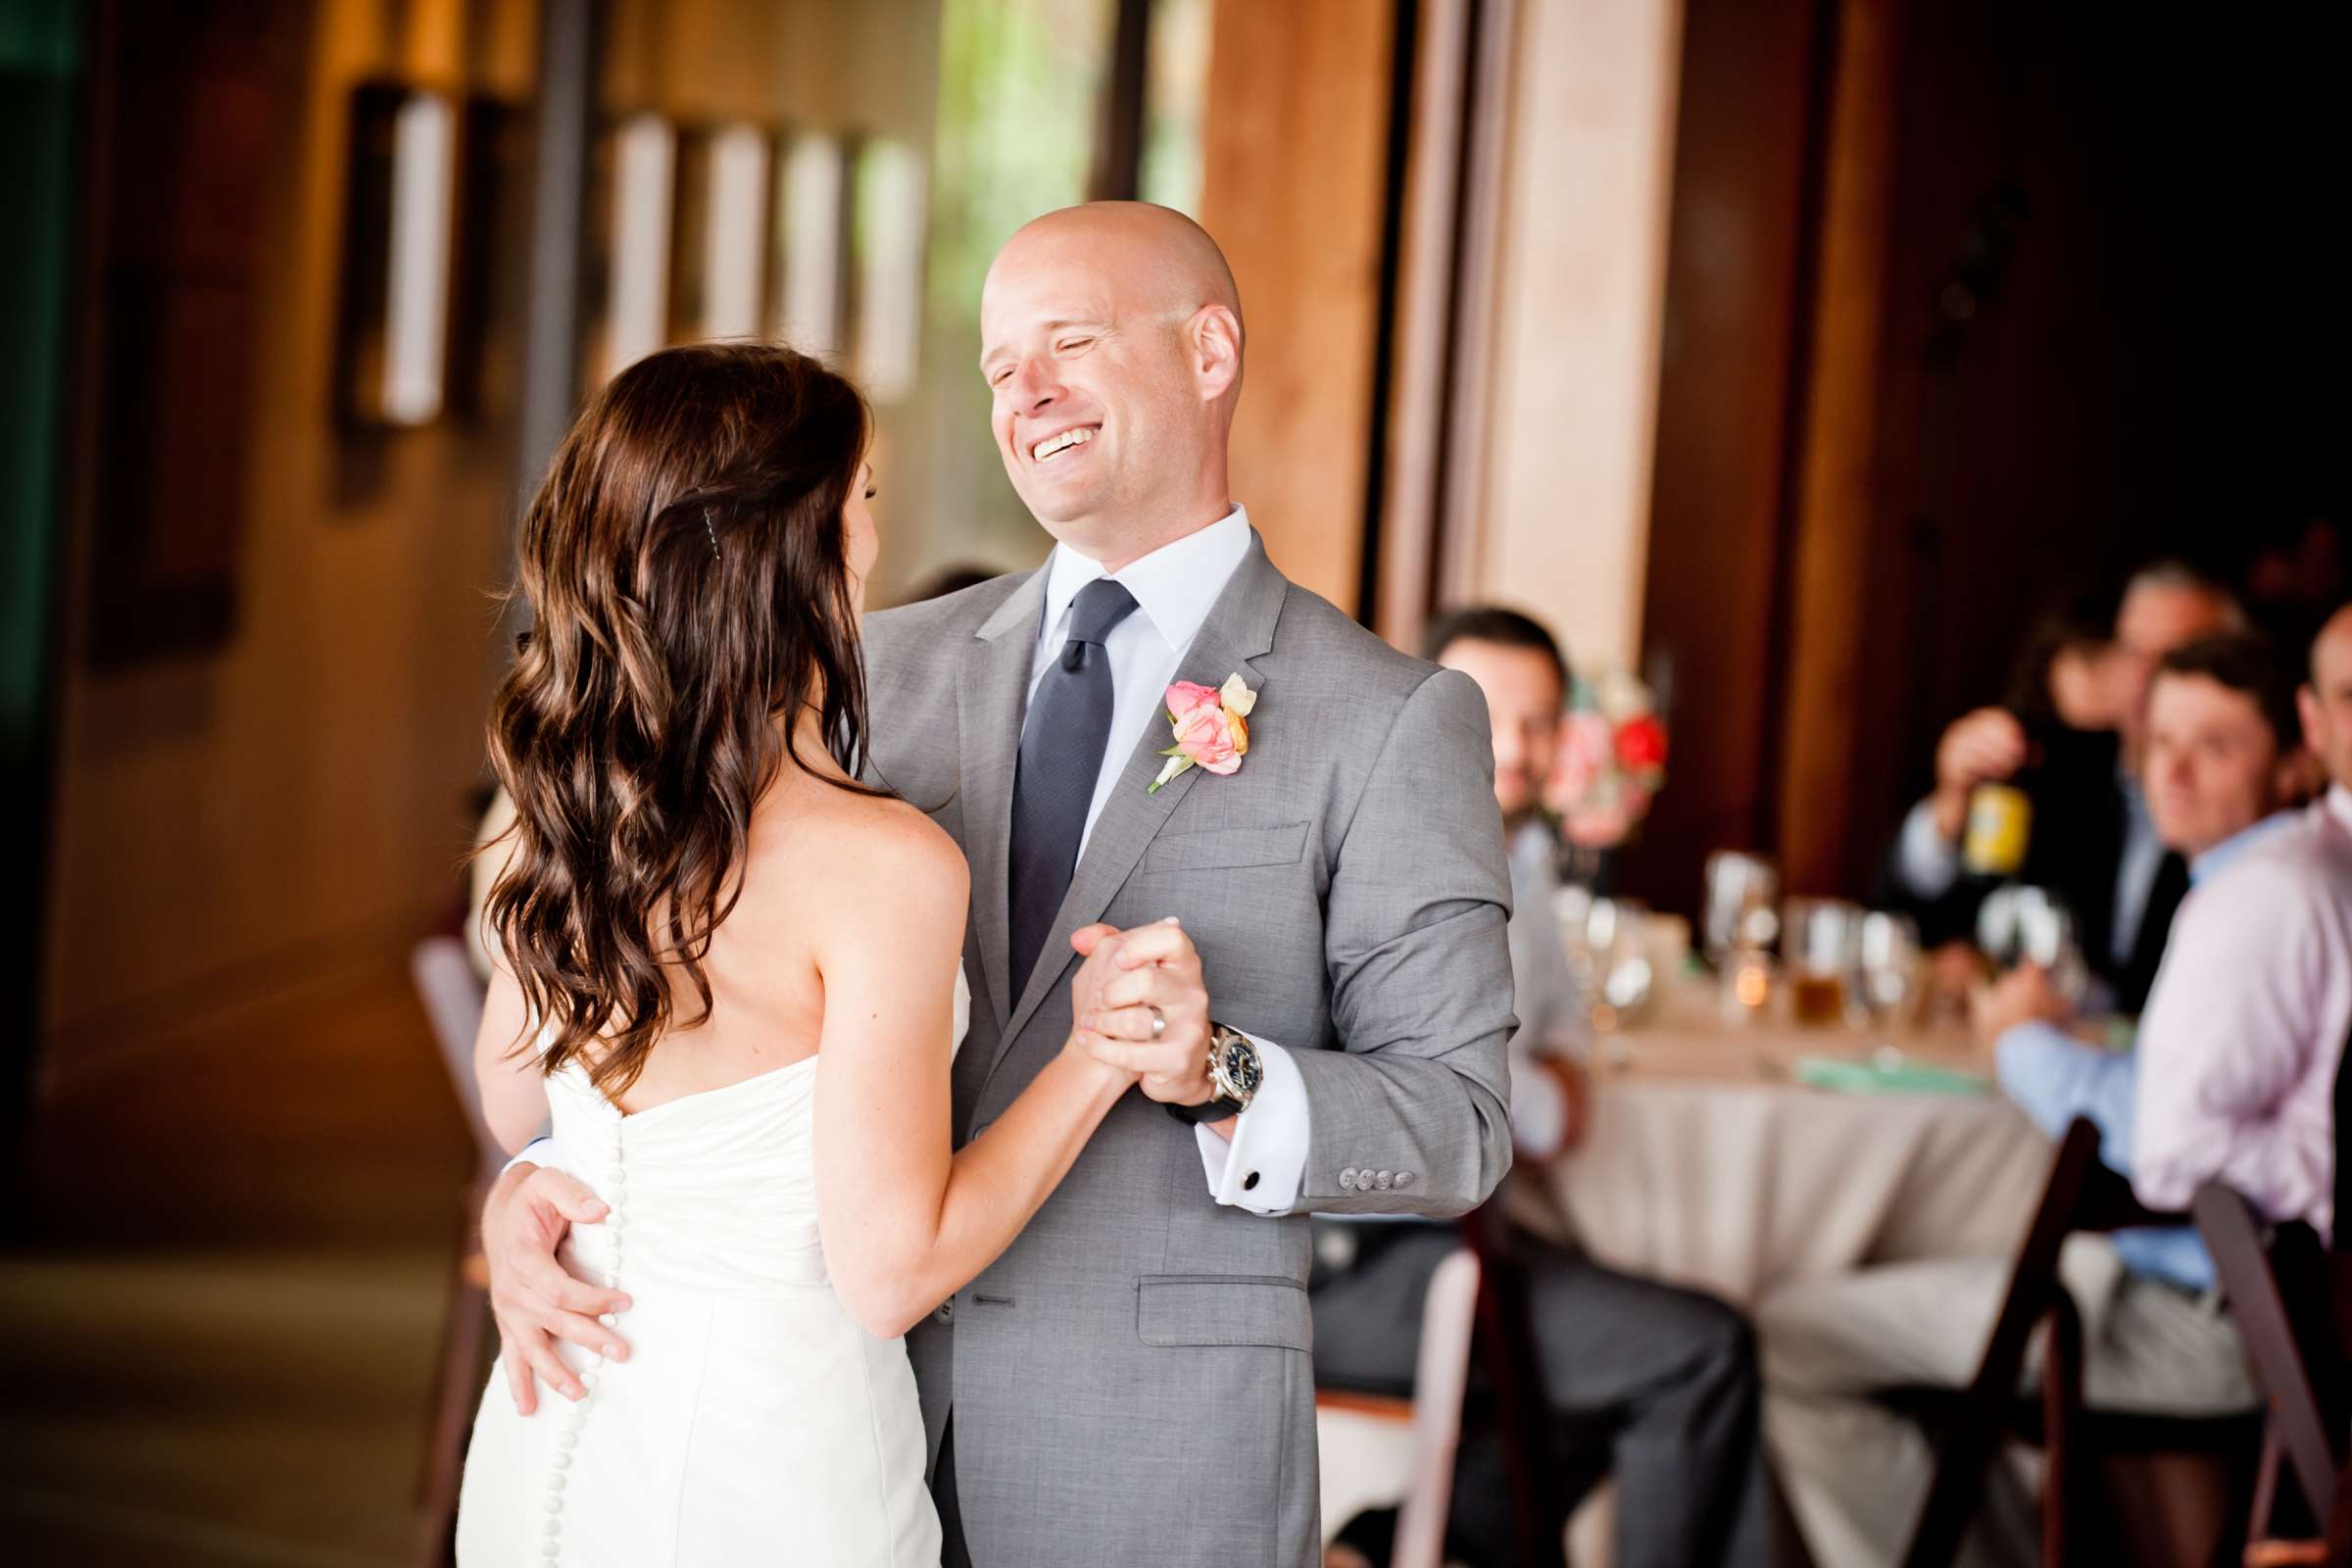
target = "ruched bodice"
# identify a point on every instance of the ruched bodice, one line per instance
(712, 1192)
(754, 1421)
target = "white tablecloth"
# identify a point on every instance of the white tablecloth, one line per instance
(1704, 1164)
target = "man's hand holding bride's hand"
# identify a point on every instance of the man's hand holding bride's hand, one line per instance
(535, 1302)
(1155, 975)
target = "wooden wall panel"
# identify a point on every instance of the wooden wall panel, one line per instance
(1709, 620)
(1294, 182)
(298, 800)
(1837, 444)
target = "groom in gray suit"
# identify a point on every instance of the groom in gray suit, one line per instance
(1320, 1025)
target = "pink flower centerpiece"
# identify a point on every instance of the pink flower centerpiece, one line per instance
(1611, 762)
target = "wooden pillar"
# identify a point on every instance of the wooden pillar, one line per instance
(569, 35)
(1294, 186)
(1838, 435)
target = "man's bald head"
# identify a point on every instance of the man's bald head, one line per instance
(2326, 701)
(1112, 342)
(1168, 260)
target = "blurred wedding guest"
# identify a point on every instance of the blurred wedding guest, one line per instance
(2245, 1032)
(2220, 729)
(2090, 838)
(2071, 677)
(1654, 1385)
(2222, 757)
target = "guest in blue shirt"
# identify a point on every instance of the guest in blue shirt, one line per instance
(2221, 742)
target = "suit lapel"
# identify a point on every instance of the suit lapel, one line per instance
(990, 696)
(1239, 628)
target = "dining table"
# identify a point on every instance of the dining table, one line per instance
(1734, 1149)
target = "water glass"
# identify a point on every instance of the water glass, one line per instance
(1890, 967)
(1743, 892)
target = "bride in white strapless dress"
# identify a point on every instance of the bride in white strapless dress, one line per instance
(743, 959)
(754, 1420)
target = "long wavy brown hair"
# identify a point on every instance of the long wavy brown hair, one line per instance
(688, 577)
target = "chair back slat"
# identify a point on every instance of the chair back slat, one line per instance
(2262, 1284)
(452, 994)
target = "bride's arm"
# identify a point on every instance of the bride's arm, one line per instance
(905, 1223)
(513, 1090)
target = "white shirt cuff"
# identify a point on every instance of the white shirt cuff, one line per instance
(540, 1151)
(1261, 1168)
(1926, 863)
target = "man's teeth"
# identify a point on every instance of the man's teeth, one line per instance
(1059, 442)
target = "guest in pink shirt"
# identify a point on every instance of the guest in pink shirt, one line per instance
(2239, 1044)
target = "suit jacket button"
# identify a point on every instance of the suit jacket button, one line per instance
(1383, 1179)
(1405, 1179)
(1348, 1180)
(947, 1311)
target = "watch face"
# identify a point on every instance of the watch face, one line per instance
(1241, 1066)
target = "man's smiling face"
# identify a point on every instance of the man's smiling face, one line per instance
(1084, 384)
(1108, 410)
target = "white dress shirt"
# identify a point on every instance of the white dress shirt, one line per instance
(1174, 588)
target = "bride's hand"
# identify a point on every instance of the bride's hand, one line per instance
(1099, 945)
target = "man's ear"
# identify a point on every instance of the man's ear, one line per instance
(1215, 338)
(2307, 708)
(2298, 776)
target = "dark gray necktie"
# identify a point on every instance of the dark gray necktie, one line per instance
(1061, 756)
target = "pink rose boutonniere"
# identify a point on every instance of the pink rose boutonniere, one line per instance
(1213, 727)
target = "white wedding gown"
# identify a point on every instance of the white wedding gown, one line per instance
(755, 1422)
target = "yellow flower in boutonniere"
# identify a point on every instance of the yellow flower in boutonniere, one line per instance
(1213, 727)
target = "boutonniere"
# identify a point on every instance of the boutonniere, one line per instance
(1213, 727)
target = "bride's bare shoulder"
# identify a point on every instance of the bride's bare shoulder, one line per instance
(870, 848)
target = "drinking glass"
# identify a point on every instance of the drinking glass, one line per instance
(1891, 966)
(1742, 892)
(1619, 978)
(1821, 947)
(2022, 924)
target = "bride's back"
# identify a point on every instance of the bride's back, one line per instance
(768, 999)
(676, 737)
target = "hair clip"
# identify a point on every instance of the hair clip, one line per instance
(711, 529)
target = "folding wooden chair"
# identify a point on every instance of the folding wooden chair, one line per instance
(1522, 1406)
(2292, 1299)
(1476, 1311)
(452, 996)
(2082, 1195)
(1449, 1316)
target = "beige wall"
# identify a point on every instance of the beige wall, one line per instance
(1556, 521)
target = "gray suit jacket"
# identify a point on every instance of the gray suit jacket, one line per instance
(1130, 1380)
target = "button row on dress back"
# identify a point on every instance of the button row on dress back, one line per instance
(569, 1438)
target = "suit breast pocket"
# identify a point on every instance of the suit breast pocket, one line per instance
(1269, 1310)
(1227, 849)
